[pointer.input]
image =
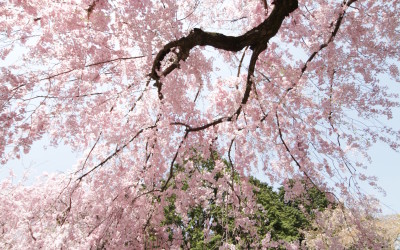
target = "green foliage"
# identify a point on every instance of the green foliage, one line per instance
(284, 220)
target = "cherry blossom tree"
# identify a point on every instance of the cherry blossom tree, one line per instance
(290, 89)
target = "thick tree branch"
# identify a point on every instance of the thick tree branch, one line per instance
(256, 38)
(241, 61)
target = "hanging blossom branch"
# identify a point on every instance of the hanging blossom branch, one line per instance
(335, 30)
(289, 151)
(117, 150)
(336, 25)
(300, 167)
(91, 65)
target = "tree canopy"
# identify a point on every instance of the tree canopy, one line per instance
(293, 90)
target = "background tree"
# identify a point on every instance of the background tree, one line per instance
(283, 221)
(135, 86)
